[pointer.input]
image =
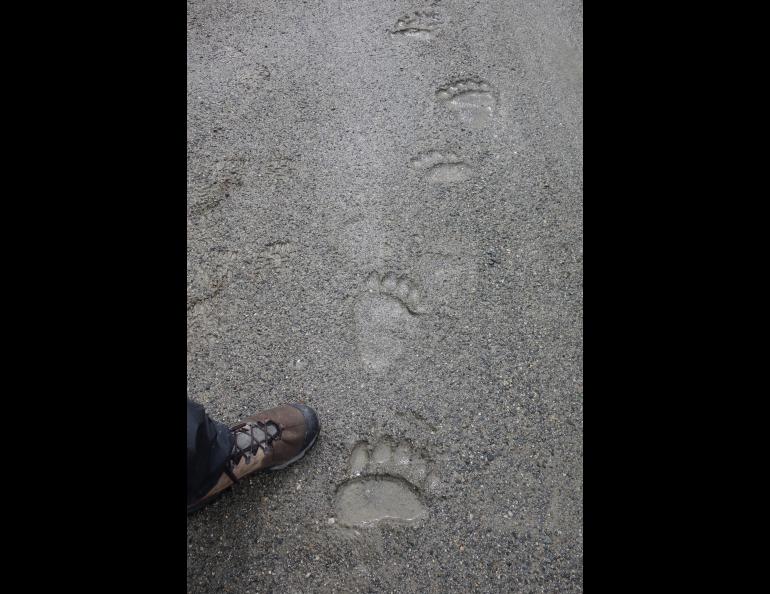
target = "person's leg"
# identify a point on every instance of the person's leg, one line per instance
(209, 444)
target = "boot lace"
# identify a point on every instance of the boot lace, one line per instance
(249, 438)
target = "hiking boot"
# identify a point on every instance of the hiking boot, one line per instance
(267, 441)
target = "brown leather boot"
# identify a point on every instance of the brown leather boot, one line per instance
(267, 441)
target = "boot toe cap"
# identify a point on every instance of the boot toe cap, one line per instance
(312, 424)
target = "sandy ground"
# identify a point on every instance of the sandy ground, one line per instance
(385, 222)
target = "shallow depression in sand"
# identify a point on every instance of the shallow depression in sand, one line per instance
(370, 500)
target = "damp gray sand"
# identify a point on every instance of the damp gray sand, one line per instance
(384, 220)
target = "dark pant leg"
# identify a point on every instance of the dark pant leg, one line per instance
(208, 445)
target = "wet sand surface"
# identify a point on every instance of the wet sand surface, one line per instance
(385, 222)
